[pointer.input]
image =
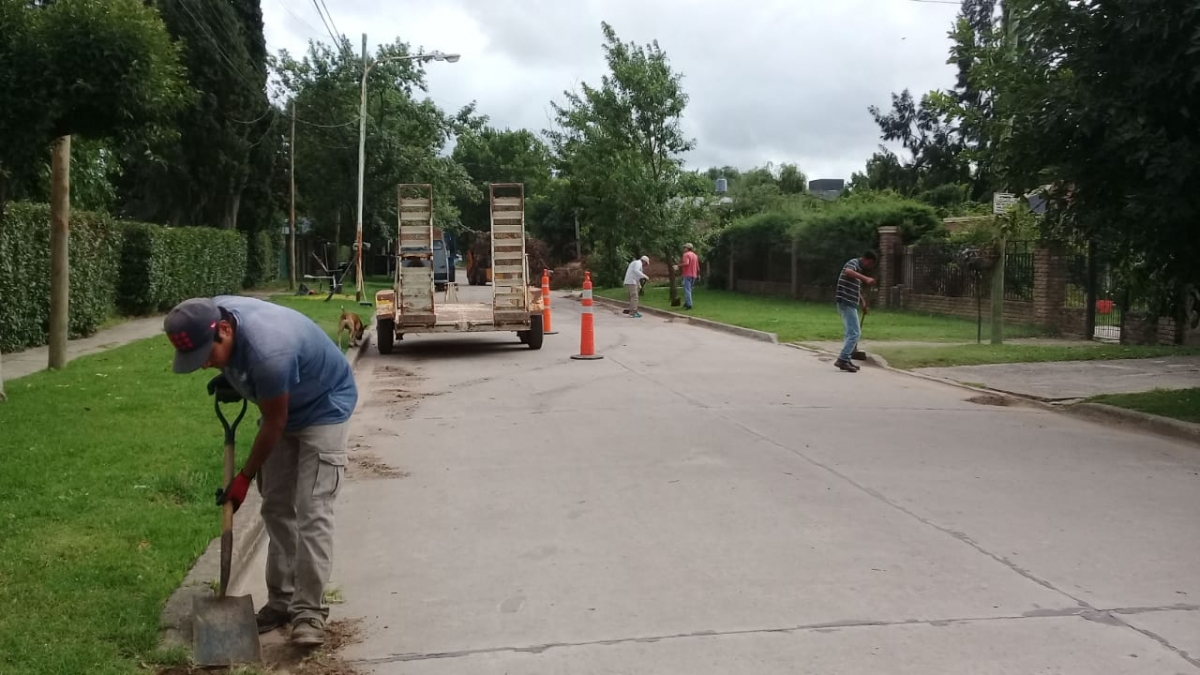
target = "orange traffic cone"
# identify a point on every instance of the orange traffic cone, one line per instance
(587, 324)
(546, 325)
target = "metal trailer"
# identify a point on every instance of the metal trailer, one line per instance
(411, 306)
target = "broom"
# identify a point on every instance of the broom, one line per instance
(858, 354)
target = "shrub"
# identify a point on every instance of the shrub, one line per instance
(25, 274)
(262, 258)
(161, 267)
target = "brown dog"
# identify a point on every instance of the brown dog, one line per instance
(352, 324)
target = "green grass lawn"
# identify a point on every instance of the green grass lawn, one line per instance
(795, 321)
(107, 478)
(326, 314)
(106, 499)
(974, 355)
(1181, 404)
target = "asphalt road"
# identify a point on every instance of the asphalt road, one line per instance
(699, 503)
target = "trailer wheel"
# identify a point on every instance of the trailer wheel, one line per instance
(536, 332)
(523, 336)
(385, 335)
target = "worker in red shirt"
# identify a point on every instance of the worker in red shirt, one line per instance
(689, 267)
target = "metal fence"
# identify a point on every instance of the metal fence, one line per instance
(941, 269)
(1018, 271)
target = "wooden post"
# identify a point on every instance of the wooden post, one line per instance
(998, 293)
(60, 235)
(292, 208)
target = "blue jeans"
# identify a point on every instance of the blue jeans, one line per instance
(849, 314)
(688, 283)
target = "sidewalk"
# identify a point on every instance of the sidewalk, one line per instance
(20, 364)
(37, 359)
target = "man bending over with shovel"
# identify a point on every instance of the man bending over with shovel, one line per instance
(284, 363)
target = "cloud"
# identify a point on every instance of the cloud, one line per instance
(768, 80)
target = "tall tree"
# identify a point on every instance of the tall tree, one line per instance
(1103, 101)
(925, 129)
(406, 137)
(202, 175)
(620, 143)
(90, 68)
(491, 155)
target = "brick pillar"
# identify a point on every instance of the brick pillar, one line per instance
(1049, 283)
(889, 276)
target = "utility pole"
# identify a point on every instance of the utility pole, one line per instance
(292, 209)
(362, 150)
(60, 236)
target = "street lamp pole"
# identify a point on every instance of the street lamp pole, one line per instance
(362, 147)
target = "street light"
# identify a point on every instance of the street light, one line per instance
(362, 148)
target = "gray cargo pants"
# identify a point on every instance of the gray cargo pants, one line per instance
(298, 483)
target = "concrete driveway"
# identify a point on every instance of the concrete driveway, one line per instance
(698, 503)
(1067, 380)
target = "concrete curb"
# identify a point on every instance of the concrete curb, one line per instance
(759, 335)
(175, 622)
(1184, 431)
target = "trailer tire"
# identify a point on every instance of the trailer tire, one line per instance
(536, 332)
(385, 335)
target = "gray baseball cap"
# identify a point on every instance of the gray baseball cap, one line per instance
(190, 327)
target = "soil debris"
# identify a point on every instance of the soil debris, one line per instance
(281, 657)
(367, 465)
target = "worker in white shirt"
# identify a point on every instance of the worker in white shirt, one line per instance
(634, 276)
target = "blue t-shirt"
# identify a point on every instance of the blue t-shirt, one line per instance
(279, 350)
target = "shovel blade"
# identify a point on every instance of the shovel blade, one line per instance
(224, 632)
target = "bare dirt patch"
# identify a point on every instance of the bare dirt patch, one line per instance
(367, 465)
(990, 399)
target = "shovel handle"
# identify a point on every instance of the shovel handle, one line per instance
(227, 507)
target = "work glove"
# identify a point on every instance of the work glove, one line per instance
(235, 492)
(225, 393)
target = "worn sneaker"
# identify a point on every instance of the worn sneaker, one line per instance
(269, 618)
(846, 366)
(308, 633)
(636, 315)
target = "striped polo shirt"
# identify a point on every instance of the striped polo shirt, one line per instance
(848, 288)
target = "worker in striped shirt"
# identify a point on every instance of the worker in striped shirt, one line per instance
(849, 299)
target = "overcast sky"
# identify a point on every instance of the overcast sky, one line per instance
(772, 81)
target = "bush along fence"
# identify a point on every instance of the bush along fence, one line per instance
(117, 268)
(1046, 283)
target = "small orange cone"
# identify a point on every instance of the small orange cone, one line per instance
(587, 324)
(546, 329)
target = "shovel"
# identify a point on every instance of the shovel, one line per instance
(224, 632)
(858, 354)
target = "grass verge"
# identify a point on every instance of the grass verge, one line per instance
(977, 355)
(106, 500)
(795, 321)
(326, 314)
(1180, 404)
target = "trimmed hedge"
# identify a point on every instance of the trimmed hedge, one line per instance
(262, 259)
(131, 268)
(25, 274)
(161, 267)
